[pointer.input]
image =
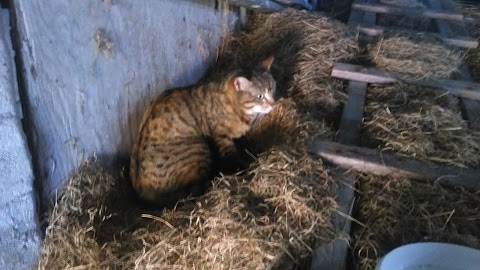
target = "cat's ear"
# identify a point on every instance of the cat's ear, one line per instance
(265, 64)
(241, 83)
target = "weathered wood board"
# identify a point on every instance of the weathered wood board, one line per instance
(334, 255)
(91, 67)
(380, 163)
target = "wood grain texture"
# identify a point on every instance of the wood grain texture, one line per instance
(418, 12)
(466, 89)
(387, 164)
(334, 255)
(352, 116)
(91, 67)
(458, 41)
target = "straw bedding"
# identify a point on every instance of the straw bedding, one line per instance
(401, 211)
(421, 123)
(268, 217)
(424, 124)
(415, 55)
(306, 46)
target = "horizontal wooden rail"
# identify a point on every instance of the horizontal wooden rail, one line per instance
(418, 12)
(458, 41)
(463, 89)
(386, 164)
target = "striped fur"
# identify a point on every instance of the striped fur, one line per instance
(184, 129)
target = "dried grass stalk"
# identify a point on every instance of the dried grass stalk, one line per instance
(70, 235)
(268, 217)
(416, 55)
(421, 123)
(305, 45)
(401, 211)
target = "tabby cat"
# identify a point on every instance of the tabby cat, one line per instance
(185, 130)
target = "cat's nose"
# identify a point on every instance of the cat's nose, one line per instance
(271, 102)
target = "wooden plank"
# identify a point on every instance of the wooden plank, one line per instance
(458, 41)
(385, 164)
(418, 12)
(334, 255)
(258, 5)
(86, 98)
(464, 89)
(471, 108)
(352, 115)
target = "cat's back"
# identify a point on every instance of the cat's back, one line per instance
(174, 113)
(170, 150)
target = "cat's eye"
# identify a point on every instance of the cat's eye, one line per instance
(260, 97)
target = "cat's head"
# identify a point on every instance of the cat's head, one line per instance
(257, 92)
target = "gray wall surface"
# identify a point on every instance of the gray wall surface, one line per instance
(19, 228)
(91, 67)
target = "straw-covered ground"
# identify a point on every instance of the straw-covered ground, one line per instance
(271, 215)
(305, 45)
(420, 56)
(267, 217)
(421, 123)
(424, 124)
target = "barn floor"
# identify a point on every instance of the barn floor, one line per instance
(20, 236)
(19, 231)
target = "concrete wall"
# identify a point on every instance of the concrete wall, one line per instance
(19, 227)
(90, 68)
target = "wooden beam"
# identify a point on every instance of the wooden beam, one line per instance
(457, 41)
(258, 5)
(387, 164)
(463, 89)
(352, 115)
(418, 12)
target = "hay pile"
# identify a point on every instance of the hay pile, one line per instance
(419, 122)
(424, 124)
(269, 216)
(306, 45)
(415, 55)
(400, 211)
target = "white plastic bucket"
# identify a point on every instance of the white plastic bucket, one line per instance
(431, 255)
